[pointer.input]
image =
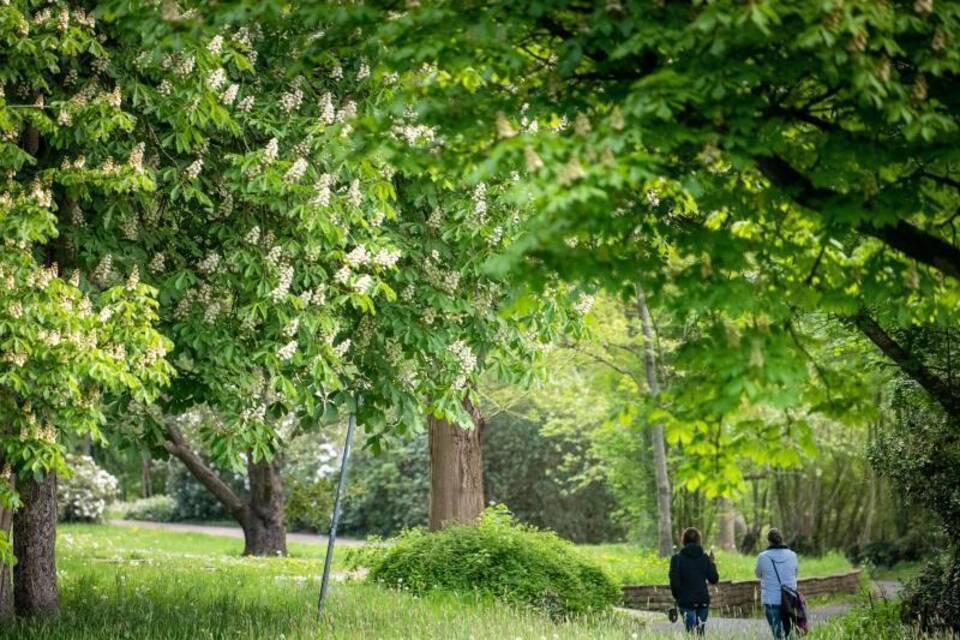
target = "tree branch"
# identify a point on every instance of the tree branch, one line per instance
(947, 395)
(178, 446)
(904, 237)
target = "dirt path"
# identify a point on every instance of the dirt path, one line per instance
(756, 628)
(230, 532)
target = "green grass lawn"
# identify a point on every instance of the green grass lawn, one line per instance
(632, 564)
(119, 583)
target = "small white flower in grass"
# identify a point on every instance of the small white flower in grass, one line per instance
(230, 94)
(286, 352)
(296, 170)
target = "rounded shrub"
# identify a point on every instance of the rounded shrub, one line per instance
(84, 495)
(153, 509)
(931, 600)
(497, 557)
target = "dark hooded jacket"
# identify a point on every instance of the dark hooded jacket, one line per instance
(690, 571)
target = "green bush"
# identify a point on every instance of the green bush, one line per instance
(932, 599)
(498, 557)
(309, 504)
(875, 620)
(153, 509)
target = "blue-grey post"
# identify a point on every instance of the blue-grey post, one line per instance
(344, 461)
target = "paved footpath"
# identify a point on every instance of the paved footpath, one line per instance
(756, 628)
(230, 532)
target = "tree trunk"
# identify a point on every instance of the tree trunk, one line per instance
(726, 525)
(456, 471)
(34, 539)
(265, 524)
(664, 517)
(261, 516)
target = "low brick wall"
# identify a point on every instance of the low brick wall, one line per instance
(738, 597)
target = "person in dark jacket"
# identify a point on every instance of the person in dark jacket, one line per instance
(690, 571)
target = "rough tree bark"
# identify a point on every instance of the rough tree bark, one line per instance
(34, 537)
(664, 516)
(260, 515)
(456, 470)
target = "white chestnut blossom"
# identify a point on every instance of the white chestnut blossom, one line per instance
(136, 156)
(270, 151)
(283, 288)
(253, 236)
(462, 351)
(192, 172)
(158, 263)
(386, 258)
(215, 45)
(358, 256)
(246, 104)
(328, 113)
(480, 200)
(217, 78)
(354, 195)
(210, 263)
(287, 351)
(584, 304)
(363, 72)
(230, 94)
(364, 284)
(323, 190)
(296, 170)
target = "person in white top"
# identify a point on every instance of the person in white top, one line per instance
(776, 567)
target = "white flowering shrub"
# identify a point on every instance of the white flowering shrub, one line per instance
(85, 495)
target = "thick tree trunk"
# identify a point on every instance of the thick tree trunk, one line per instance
(456, 471)
(261, 516)
(34, 538)
(726, 525)
(265, 526)
(664, 517)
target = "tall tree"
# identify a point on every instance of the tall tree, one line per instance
(664, 498)
(65, 343)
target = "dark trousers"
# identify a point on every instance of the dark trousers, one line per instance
(694, 619)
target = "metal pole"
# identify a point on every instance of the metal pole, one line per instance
(344, 461)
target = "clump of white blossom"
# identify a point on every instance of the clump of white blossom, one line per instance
(85, 495)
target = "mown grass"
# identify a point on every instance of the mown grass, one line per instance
(633, 564)
(119, 583)
(141, 584)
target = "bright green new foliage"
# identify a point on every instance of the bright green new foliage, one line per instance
(69, 342)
